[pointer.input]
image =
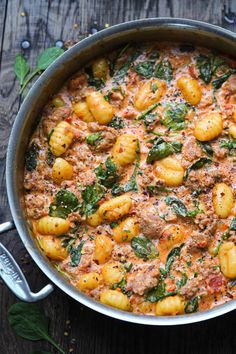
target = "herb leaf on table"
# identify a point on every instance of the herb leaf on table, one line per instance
(21, 68)
(30, 322)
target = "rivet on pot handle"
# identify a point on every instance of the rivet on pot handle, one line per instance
(12, 275)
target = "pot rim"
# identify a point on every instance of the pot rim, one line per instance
(39, 259)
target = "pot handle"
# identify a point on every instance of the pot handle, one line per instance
(12, 275)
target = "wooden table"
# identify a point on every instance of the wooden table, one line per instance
(77, 328)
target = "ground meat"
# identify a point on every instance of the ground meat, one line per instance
(77, 82)
(107, 141)
(206, 222)
(143, 280)
(151, 225)
(122, 252)
(198, 241)
(147, 177)
(86, 255)
(55, 116)
(116, 98)
(37, 207)
(191, 150)
(130, 113)
(194, 286)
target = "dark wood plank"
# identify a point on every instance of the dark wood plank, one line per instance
(88, 332)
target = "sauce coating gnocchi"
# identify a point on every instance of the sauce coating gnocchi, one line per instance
(130, 179)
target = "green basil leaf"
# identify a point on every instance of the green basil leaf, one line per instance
(91, 195)
(31, 157)
(178, 206)
(116, 123)
(47, 57)
(143, 247)
(192, 305)
(175, 252)
(207, 66)
(145, 69)
(21, 68)
(75, 254)
(108, 176)
(218, 82)
(163, 70)
(93, 139)
(196, 165)
(64, 203)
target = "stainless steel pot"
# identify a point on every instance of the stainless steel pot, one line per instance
(136, 31)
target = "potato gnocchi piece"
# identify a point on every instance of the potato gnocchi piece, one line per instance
(101, 110)
(227, 258)
(61, 138)
(149, 93)
(170, 306)
(126, 230)
(223, 200)
(116, 299)
(112, 273)
(190, 90)
(61, 170)
(100, 68)
(94, 219)
(232, 131)
(89, 281)
(53, 248)
(171, 236)
(49, 225)
(209, 127)
(170, 170)
(82, 112)
(115, 208)
(103, 249)
(125, 149)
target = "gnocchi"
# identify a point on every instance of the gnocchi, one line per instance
(172, 305)
(53, 248)
(190, 90)
(101, 110)
(61, 170)
(125, 149)
(115, 208)
(227, 257)
(103, 249)
(149, 93)
(223, 200)
(82, 112)
(89, 281)
(116, 299)
(209, 127)
(126, 230)
(170, 171)
(61, 138)
(49, 225)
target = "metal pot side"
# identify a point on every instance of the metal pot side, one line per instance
(158, 29)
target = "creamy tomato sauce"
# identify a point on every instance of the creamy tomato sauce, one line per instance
(130, 179)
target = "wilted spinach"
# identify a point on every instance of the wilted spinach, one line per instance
(148, 110)
(143, 247)
(207, 66)
(226, 235)
(159, 292)
(64, 203)
(162, 148)
(228, 144)
(94, 81)
(75, 254)
(31, 157)
(181, 282)
(122, 71)
(164, 70)
(30, 322)
(107, 176)
(192, 305)
(174, 116)
(91, 195)
(156, 190)
(197, 165)
(218, 82)
(180, 208)
(206, 147)
(175, 252)
(122, 286)
(50, 158)
(116, 123)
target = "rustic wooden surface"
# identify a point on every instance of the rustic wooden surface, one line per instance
(79, 329)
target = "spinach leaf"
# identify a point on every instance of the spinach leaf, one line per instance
(196, 165)
(148, 110)
(30, 322)
(31, 157)
(228, 144)
(93, 139)
(113, 63)
(131, 185)
(94, 81)
(156, 190)
(163, 70)
(162, 149)
(206, 147)
(21, 68)
(122, 285)
(180, 208)
(175, 252)
(145, 69)
(181, 282)
(116, 123)
(75, 254)
(50, 158)
(174, 116)
(192, 305)
(143, 247)
(159, 292)
(226, 235)
(218, 82)
(91, 195)
(122, 71)
(149, 120)
(207, 66)
(107, 176)
(64, 203)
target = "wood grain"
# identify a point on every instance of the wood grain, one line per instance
(74, 326)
